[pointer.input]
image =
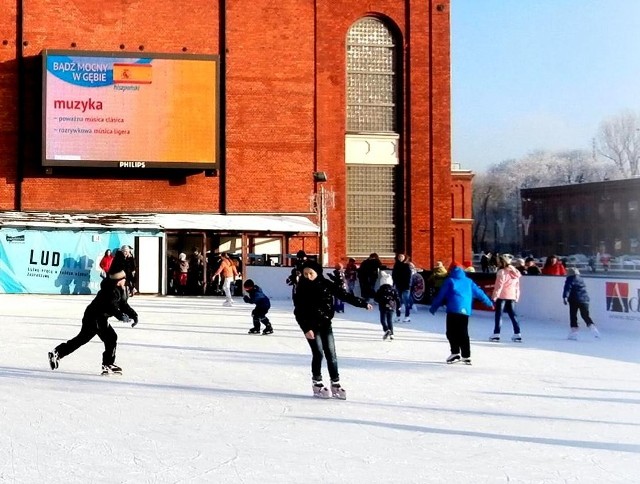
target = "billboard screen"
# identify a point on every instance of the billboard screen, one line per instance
(126, 110)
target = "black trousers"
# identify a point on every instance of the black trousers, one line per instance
(574, 307)
(260, 316)
(458, 334)
(90, 328)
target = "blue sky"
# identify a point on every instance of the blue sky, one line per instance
(539, 74)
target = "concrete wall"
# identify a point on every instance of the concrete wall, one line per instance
(615, 302)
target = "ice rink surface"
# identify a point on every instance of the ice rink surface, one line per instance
(201, 401)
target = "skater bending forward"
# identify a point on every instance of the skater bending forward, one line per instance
(459, 292)
(259, 313)
(314, 310)
(111, 300)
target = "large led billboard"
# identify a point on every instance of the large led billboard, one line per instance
(126, 110)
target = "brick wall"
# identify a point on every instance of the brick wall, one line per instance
(285, 108)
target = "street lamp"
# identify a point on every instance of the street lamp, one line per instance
(321, 177)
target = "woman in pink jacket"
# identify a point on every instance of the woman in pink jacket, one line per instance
(505, 295)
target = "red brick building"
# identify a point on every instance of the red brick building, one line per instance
(359, 90)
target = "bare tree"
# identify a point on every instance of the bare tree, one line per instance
(619, 141)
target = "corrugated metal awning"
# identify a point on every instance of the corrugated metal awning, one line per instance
(160, 221)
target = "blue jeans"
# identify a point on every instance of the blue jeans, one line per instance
(510, 309)
(323, 344)
(407, 302)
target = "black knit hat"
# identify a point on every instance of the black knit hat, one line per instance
(311, 264)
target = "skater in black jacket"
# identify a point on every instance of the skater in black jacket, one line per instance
(259, 313)
(388, 301)
(111, 300)
(313, 309)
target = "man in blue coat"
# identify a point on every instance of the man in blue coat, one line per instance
(457, 293)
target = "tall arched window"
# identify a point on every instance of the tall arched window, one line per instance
(371, 138)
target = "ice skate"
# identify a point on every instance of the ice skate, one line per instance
(387, 335)
(396, 319)
(453, 358)
(406, 320)
(111, 369)
(53, 359)
(254, 331)
(494, 337)
(573, 334)
(466, 361)
(594, 331)
(320, 391)
(227, 303)
(337, 391)
(516, 338)
(268, 330)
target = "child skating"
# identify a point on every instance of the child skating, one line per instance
(259, 313)
(457, 293)
(388, 301)
(575, 294)
(313, 309)
(111, 300)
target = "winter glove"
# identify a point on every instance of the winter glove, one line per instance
(565, 301)
(135, 322)
(433, 309)
(246, 299)
(125, 318)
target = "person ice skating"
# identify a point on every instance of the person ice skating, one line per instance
(339, 278)
(457, 293)
(256, 296)
(368, 275)
(437, 278)
(123, 260)
(388, 302)
(229, 273)
(506, 294)
(296, 271)
(575, 293)
(401, 276)
(313, 310)
(111, 300)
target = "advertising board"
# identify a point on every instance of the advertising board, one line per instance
(130, 111)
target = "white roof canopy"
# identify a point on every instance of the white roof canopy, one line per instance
(161, 221)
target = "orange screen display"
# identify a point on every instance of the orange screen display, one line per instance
(130, 112)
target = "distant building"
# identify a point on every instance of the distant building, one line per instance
(584, 218)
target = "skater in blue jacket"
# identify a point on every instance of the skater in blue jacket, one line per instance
(259, 313)
(457, 293)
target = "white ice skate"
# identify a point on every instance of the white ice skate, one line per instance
(337, 391)
(320, 391)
